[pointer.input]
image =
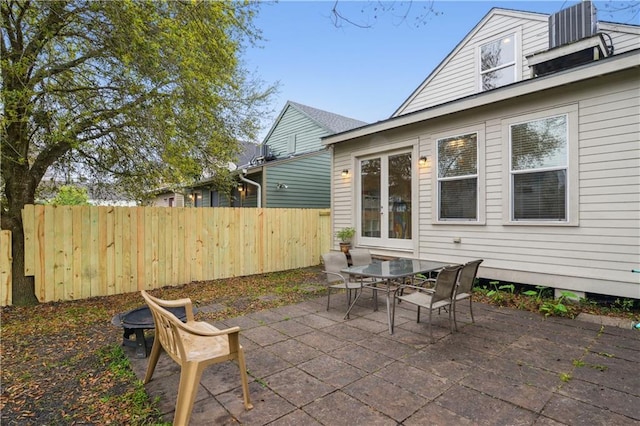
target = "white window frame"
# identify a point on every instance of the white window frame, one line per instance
(479, 130)
(572, 168)
(516, 33)
(409, 245)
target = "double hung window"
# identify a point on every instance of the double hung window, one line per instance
(498, 63)
(458, 177)
(539, 169)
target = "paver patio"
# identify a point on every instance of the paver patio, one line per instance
(310, 367)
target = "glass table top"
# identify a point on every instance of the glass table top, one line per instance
(396, 268)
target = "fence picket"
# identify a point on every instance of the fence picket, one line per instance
(76, 252)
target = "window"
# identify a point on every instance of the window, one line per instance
(458, 177)
(498, 63)
(539, 169)
(291, 144)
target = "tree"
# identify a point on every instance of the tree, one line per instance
(69, 195)
(133, 93)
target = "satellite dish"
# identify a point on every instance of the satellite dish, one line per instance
(232, 166)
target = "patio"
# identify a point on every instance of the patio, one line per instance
(310, 367)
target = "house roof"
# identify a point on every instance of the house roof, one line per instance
(248, 153)
(610, 65)
(331, 122)
(604, 26)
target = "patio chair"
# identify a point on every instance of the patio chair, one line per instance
(362, 257)
(464, 288)
(194, 345)
(441, 296)
(334, 262)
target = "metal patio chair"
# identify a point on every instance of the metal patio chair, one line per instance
(464, 288)
(194, 345)
(334, 262)
(441, 296)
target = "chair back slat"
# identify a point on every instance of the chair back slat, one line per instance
(334, 262)
(445, 283)
(360, 257)
(167, 329)
(468, 276)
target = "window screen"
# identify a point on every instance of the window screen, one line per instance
(539, 169)
(458, 177)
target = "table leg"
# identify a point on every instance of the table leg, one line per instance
(389, 306)
(141, 344)
(355, 299)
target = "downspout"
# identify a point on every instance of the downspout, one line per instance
(256, 184)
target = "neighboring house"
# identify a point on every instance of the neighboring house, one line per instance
(292, 167)
(203, 194)
(521, 148)
(166, 197)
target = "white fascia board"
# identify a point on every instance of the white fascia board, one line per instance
(605, 66)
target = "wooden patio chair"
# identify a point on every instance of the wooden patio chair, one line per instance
(194, 345)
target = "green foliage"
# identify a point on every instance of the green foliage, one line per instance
(70, 195)
(139, 94)
(536, 294)
(558, 306)
(346, 234)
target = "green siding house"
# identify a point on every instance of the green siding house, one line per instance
(291, 169)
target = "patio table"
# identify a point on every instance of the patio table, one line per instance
(388, 272)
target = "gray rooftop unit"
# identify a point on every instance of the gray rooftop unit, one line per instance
(572, 24)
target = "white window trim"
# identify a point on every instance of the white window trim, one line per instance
(479, 130)
(571, 111)
(517, 34)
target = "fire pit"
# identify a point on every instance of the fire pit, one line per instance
(135, 322)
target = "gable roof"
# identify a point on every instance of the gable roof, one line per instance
(331, 122)
(493, 12)
(598, 69)
(603, 26)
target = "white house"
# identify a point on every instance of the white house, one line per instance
(521, 148)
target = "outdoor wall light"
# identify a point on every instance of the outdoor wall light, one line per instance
(241, 187)
(345, 172)
(422, 161)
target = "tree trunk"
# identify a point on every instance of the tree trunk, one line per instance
(23, 287)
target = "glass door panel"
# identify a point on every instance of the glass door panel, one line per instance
(371, 210)
(400, 196)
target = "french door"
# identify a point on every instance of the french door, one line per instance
(384, 200)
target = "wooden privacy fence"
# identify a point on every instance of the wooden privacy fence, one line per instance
(76, 252)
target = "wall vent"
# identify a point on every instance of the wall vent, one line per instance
(572, 24)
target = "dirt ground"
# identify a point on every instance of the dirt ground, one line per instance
(56, 357)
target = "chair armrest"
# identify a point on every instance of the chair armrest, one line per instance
(414, 287)
(202, 328)
(336, 274)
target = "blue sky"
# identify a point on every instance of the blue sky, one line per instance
(366, 73)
